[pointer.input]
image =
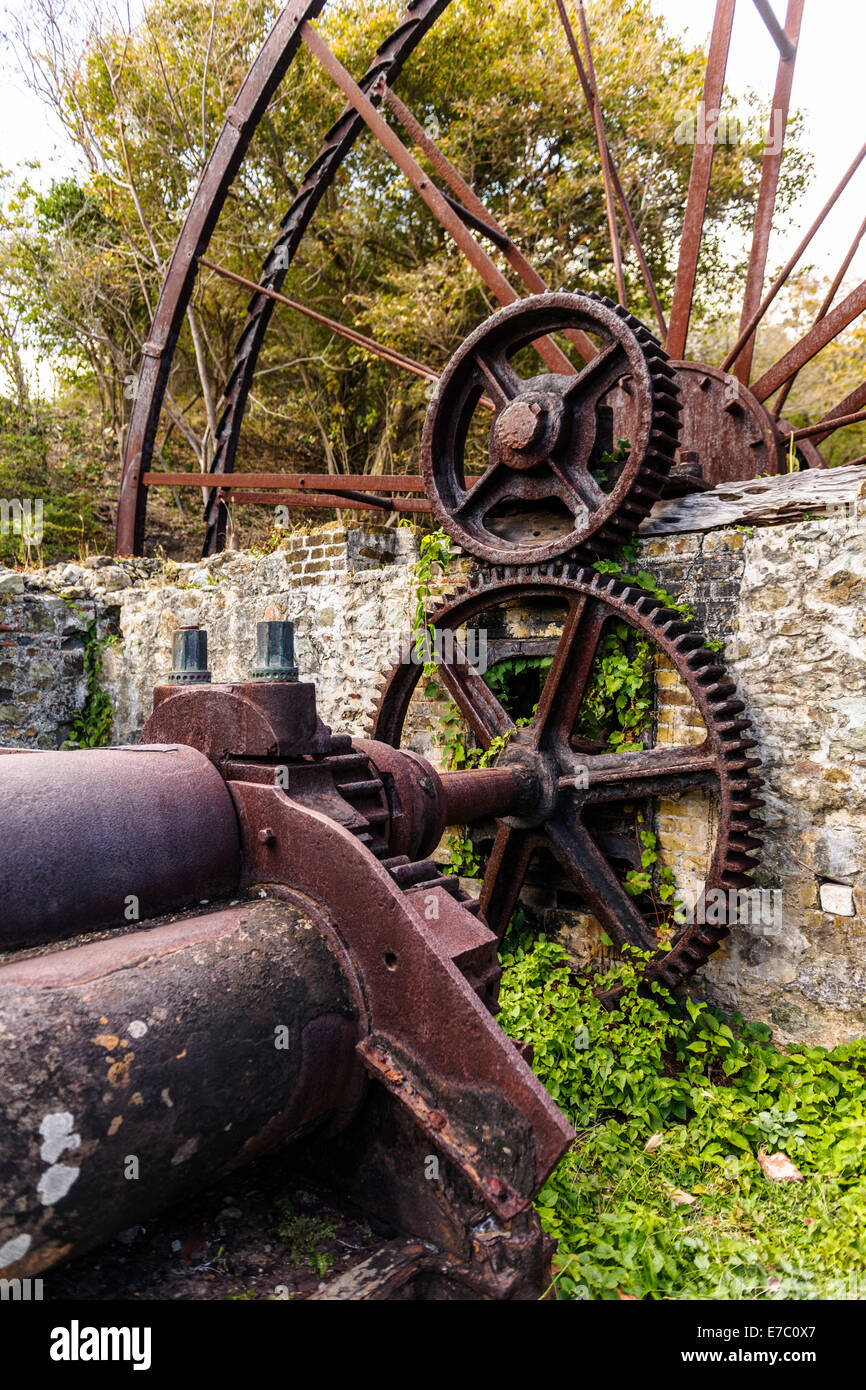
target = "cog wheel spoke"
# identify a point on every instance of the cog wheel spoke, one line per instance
(598, 376)
(579, 855)
(474, 698)
(655, 772)
(501, 379)
(505, 874)
(566, 680)
(490, 488)
(578, 490)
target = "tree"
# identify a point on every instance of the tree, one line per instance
(143, 104)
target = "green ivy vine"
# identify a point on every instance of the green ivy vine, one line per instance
(93, 723)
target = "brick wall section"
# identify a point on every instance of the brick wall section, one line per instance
(685, 824)
(705, 570)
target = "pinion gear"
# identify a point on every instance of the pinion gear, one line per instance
(555, 480)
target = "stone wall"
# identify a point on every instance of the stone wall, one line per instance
(787, 601)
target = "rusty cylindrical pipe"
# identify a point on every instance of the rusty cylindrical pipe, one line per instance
(110, 836)
(137, 1069)
(479, 793)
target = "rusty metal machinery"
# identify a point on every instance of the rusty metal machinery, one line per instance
(733, 426)
(594, 799)
(244, 875)
(140, 1054)
(231, 939)
(549, 486)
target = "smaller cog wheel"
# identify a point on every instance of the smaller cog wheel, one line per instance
(554, 478)
(603, 802)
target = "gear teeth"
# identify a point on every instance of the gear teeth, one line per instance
(746, 843)
(647, 605)
(740, 834)
(734, 878)
(731, 708)
(620, 516)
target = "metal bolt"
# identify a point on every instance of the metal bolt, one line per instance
(275, 652)
(520, 424)
(189, 657)
(266, 835)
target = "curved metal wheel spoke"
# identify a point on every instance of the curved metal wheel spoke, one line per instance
(599, 375)
(568, 675)
(653, 772)
(474, 698)
(492, 487)
(502, 380)
(578, 854)
(503, 878)
(578, 489)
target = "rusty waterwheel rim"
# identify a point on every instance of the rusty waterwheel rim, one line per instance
(468, 222)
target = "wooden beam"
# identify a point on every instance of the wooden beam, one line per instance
(787, 498)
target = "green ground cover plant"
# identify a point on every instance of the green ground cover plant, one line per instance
(662, 1195)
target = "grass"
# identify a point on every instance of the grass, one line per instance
(301, 1235)
(692, 1216)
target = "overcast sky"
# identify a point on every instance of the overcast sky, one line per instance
(828, 85)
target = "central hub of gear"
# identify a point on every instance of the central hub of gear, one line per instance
(538, 776)
(547, 487)
(525, 432)
(519, 425)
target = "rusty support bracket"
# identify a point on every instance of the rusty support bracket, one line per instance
(699, 184)
(436, 202)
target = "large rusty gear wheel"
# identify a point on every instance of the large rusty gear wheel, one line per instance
(549, 488)
(567, 824)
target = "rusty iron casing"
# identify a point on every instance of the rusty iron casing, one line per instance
(105, 837)
(255, 718)
(138, 1067)
(135, 1070)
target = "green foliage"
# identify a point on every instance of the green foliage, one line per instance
(144, 107)
(655, 878)
(434, 556)
(709, 1093)
(463, 859)
(301, 1235)
(507, 677)
(617, 704)
(610, 458)
(94, 721)
(47, 455)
